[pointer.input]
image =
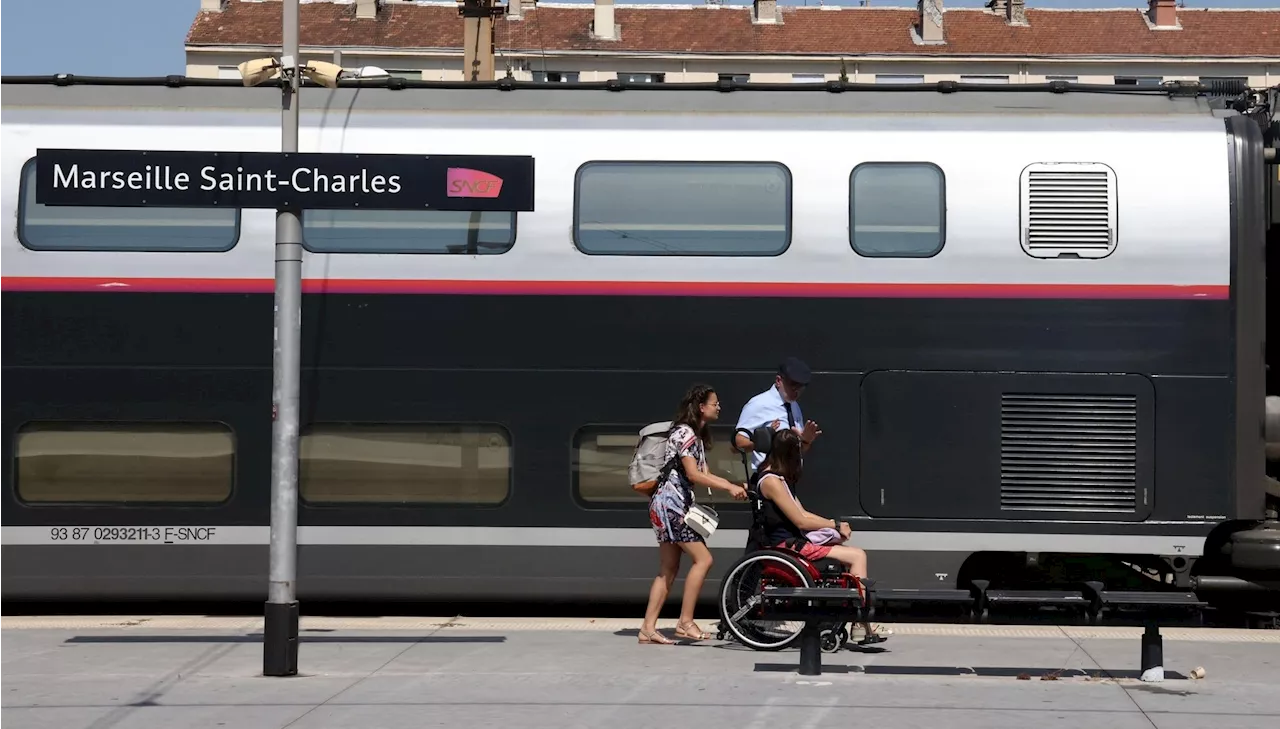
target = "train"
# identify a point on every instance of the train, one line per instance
(1036, 320)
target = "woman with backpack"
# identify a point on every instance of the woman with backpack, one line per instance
(686, 455)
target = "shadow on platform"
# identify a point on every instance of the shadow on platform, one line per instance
(1030, 672)
(257, 638)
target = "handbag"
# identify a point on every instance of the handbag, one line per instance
(702, 519)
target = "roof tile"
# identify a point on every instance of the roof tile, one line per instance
(729, 31)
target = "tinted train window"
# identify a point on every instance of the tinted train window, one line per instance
(897, 209)
(682, 208)
(76, 228)
(601, 454)
(125, 463)
(408, 231)
(405, 464)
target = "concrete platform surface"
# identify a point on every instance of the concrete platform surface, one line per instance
(375, 673)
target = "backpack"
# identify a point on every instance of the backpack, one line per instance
(648, 467)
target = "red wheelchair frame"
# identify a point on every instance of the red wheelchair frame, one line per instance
(782, 567)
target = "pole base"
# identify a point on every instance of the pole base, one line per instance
(280, 639)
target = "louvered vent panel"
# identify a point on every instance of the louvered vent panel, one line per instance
(1068, 210)
(1068, 452)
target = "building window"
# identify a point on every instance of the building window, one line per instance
(125, 463)
(405, 464)
(984, 79)
(555, 77)
(1139, 80)
(602, 455)
(473, 233)
(642, 78)
(899, 78)
(808, 78)
(84, 228)
(682, 208)
(897, 209)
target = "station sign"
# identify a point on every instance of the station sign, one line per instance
(134, 178)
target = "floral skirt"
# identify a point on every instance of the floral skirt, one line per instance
(668, 523)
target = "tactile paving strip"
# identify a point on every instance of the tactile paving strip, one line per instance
(402, 623)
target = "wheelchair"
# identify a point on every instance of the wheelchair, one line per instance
(765, 566)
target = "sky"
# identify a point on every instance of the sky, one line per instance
(145, 37)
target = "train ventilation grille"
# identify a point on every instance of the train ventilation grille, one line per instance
(1068, 211)
(1068, 452)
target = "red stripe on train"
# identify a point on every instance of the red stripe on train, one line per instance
(623, 288)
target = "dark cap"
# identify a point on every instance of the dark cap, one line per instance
(795, 370)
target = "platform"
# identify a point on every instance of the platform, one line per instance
(391, 673)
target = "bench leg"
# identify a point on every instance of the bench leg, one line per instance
(1152, 654)
(810, 649)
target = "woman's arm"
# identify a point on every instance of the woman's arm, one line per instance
(709, 480)
(772, 488)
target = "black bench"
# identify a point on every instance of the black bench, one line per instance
(816, 606)
(819, 606)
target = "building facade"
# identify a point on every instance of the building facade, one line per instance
(1005, 42)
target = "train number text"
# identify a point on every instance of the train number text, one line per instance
(133, 535)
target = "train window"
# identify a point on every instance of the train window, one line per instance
(602, 453)
(125, 463)
(405, 464)
(408, 231)
(91, 228)
(682, 208)
(1068, 210)
(897, 209)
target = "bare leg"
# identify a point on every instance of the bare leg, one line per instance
(856, 560)
(668, 566)
(686, 628)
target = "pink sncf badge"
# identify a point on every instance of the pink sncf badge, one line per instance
(463, 182)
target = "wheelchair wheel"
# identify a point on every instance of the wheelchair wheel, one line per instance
(740, 594)
(833, 640)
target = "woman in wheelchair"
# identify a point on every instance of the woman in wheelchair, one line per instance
(788, 525)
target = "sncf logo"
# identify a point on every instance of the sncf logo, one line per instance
(473, 183)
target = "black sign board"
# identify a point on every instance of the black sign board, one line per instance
(131, 178)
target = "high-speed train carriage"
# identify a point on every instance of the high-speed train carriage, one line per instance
(1036, 322)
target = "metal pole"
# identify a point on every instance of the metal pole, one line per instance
(280, 634)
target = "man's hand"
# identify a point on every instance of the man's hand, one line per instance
(846, 531)
(811, 432)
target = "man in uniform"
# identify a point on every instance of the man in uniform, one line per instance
(775, 406)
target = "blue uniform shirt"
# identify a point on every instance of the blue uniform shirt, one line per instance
(765, 408)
